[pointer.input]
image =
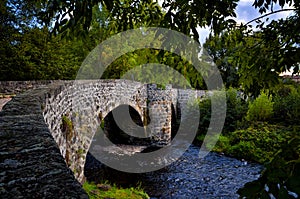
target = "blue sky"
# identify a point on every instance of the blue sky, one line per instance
(245, 12)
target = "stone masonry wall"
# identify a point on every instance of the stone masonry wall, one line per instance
(31, 165)
(160, 113)
(83, 105)
(182, 97)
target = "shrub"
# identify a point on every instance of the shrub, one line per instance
(259, 142)
(223, 144)
(216, 143)
(235, 110)
(261, 109)
(244, 149)
(205, 114)
(193, 115)
(287, 105)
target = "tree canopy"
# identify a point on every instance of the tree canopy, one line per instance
(250, 55)
(253, 57)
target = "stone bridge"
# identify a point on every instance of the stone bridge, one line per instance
(52, 126)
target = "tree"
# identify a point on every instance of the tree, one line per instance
(76, 16)
(186, 16)
(246, 61)
(256, 56)
(220, 49)
(29, 51)
(34, 56)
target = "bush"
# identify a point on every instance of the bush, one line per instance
(205, 114)
(261, 109)
(287, 105)
(244, 150)
(259, 142)
(235, 110)
(216, 143)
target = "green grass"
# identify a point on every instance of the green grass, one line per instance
(113, 192)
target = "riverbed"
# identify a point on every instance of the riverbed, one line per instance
(215, 176)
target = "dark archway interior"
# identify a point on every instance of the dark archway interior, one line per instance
(175, 121)
(116, 134)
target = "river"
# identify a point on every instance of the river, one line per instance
(215, 176)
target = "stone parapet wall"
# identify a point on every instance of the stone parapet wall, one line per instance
(31, 165)
(15, 87)
(183, 97)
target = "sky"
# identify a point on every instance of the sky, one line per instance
(245, 13)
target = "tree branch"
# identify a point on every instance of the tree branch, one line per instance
(274, 12)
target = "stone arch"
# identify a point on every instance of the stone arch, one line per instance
(131, 122)
(92, 104)
(103, 113)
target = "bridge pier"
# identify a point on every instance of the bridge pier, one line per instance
(159, 111)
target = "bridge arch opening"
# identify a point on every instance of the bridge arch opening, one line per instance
(95, 170)
(117, 132)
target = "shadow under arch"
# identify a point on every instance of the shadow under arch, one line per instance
(95, 170)
(131, 121)
(175, 120)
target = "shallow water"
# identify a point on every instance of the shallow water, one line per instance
(215, 176)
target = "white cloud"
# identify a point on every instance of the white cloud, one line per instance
(286, 13)
(246, 12)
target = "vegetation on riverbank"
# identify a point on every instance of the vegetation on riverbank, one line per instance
(105, 190)
(259, 142)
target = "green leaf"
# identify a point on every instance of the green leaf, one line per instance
(251, 189)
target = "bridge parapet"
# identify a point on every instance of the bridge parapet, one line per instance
(31, 165)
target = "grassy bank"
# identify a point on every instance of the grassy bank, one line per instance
(105, 190)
